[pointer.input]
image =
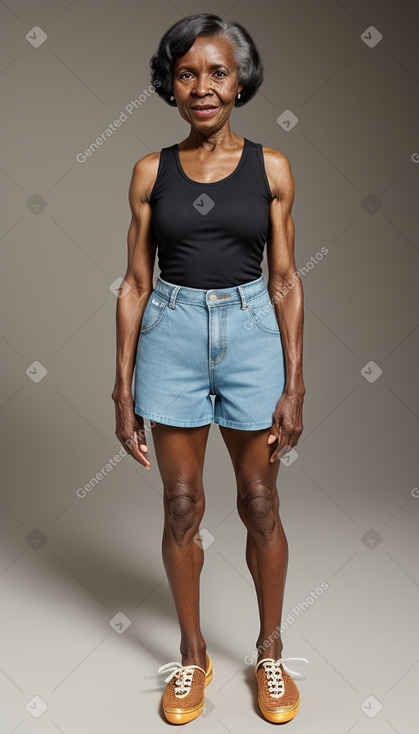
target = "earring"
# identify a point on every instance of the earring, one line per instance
(238, 96)
(172, 98)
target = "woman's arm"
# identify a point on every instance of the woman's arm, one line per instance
(286, 292)
(132, 299)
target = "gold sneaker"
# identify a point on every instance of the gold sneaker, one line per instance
(278, 695)
(184, 696)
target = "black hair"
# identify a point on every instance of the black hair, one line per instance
(179, 38)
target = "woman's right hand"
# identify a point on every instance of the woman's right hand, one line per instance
(130, 428)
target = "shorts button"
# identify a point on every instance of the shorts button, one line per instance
(213, 297)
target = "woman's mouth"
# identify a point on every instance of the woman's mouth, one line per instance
(205, 111)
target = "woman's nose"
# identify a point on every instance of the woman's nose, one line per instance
(202, 85)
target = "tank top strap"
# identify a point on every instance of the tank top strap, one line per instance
(166, 154)
(258, 147)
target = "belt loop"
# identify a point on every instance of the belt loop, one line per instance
(173, 295)
(242, 297)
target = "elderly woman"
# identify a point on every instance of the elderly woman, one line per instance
(213, 341)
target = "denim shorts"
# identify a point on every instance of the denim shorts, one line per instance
(207, 356)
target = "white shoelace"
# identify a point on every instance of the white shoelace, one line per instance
(183, 675)
(276, 683)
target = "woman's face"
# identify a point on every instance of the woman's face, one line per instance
(205, 83)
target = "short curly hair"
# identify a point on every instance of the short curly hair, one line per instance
(179, 38)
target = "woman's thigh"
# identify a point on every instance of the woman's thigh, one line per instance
(180, 454)
(250, 455)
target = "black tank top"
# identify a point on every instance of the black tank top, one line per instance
(211, 235)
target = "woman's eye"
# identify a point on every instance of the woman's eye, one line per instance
(188, 75)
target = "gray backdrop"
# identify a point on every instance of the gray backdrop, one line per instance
(87, 615)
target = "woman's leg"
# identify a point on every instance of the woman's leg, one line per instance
(267, 546)
(180, 456)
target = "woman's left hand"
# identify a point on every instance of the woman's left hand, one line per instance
(287, 425)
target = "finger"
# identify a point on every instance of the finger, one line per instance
(285, 444)
(143, 446)
(273, 456)
(141, 459)
(286, 447)
(145, 461)
(140, 440)
(134, 451)
(139, 455)
(274, 432)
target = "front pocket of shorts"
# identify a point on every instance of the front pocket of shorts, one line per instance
(263, 314)
(153, 313)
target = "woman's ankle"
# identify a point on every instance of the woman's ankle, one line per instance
(269, 648)
(194, 653)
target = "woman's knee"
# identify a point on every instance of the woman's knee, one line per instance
(258, 504)
(184, 505)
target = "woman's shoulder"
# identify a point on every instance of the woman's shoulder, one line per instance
(278, 171)
(147, 164)
(275, 157)
(144, 174)
(277, 162)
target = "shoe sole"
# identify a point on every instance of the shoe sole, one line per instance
(177, 716)
(278, 717)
